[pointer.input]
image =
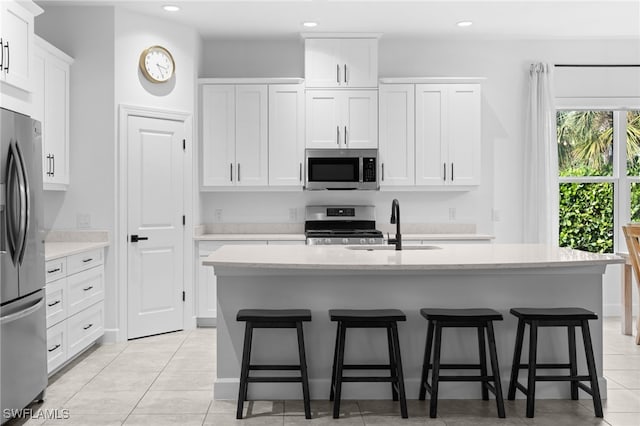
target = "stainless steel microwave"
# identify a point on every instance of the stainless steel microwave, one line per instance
(341, 169)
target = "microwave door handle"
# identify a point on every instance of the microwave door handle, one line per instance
(24, 203)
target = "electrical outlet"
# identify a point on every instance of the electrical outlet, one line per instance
(217, 215)
(293, 214)
(83, 220)
(452, 213)
(495, 215)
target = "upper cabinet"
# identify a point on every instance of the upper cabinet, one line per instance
(397, 135)
(448, 134)
(286, 135)
(341, 62)
(16, 65)
(338, 119)
(51, 70)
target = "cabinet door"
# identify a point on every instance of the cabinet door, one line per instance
(360, 118)
(359, 62)
(251, 135)
(323, 121)
(218, 134)
(397, 142)
(55, 148)
(464, 134)
(286, 134)
(17, 32)
(321, 63)
(431, 131)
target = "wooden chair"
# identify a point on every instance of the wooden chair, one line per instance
(632, 237)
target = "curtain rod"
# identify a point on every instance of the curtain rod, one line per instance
(597, 65)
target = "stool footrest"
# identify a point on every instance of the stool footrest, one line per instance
(457, 366)
(547, 365)
(271, 379)
(369, 379)
(366, 367)
(465, 378)
(274, 367)
(562, 378)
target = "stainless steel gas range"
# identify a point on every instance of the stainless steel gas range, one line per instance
(325, 225)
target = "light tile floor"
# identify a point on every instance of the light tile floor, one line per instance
(168, 380)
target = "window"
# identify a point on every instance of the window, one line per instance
(599, 167)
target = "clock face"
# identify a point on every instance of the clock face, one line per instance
(157, 64)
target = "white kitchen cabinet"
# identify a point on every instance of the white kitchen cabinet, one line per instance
(447, 134)
(234, 135)
(286, 135)
(75, 305)
(16, 51)
(206, 302)
(339, 119)
(341, 62)
(51, 107)
(397, 137)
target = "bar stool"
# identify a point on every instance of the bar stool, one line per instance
(273, 318)
(367, 318)
(554, 317)
(478, 318)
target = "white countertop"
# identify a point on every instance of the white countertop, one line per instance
(446, 257)
(300, 237)
(54, 250)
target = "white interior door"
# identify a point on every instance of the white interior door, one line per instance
(155, 211)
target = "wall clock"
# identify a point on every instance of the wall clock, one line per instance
(156, 64)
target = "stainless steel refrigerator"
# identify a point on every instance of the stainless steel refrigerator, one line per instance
(23, 359)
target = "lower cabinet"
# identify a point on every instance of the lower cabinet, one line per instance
(75, 305)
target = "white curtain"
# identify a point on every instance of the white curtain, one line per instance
(541, 160)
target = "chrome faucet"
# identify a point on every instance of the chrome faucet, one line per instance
(395, 219)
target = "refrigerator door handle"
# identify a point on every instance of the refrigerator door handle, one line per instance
(10, 192)
(23, 313)
(25, 208)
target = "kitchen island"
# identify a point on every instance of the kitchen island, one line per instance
(320, 278)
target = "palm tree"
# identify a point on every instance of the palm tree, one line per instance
(585, 138)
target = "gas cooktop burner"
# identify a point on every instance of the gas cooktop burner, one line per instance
(341, 225)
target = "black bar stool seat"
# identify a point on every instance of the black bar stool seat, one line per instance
(554, 317)
(368, 318)
(479, 318)
(273, 318)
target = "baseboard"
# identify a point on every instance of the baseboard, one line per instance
(206, 322)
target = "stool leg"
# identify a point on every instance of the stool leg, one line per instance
(591, 365)
(341, 338)
(573, 364)
(426, 361)
(303, 372)
(244, 370)
(515, 365)
(399, 373)
(392, 365)
(495, 369)
(335, 363)
(483, 362)
(433, 403)
(531, 378)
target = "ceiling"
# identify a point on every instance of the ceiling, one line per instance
(497, 19)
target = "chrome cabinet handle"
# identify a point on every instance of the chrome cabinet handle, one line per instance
(444, 172)
(230, 172)
(1, 54)
(345, 135)
(345, 74)
(451, 172)
(6, 68)
(54, 303)
(87, 288)
(53, 165)
(383, 172)
(54, 348)
(338, 135)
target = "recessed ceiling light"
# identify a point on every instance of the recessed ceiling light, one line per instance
(464, 23)
(310, 24)
(171, 8)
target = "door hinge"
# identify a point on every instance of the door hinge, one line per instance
(184, 297)
(184, 220)
(184, 144)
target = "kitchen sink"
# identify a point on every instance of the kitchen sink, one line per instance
(390, 247)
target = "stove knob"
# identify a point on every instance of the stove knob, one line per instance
(345, 241)
(363, 241)
(327, 240)
(372, 240)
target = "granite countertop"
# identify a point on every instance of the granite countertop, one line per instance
(66, 243)
(445, 257)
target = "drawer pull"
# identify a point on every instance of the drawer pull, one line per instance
(54, 348)
(54, 303)
(51, 271)
(86, 327)
(87, 288)
(87, 260)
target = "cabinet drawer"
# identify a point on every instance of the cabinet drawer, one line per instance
(56, 346)
(57, 301)
(83, 261)
(55, 269)
(84, 328)
(85, 289)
